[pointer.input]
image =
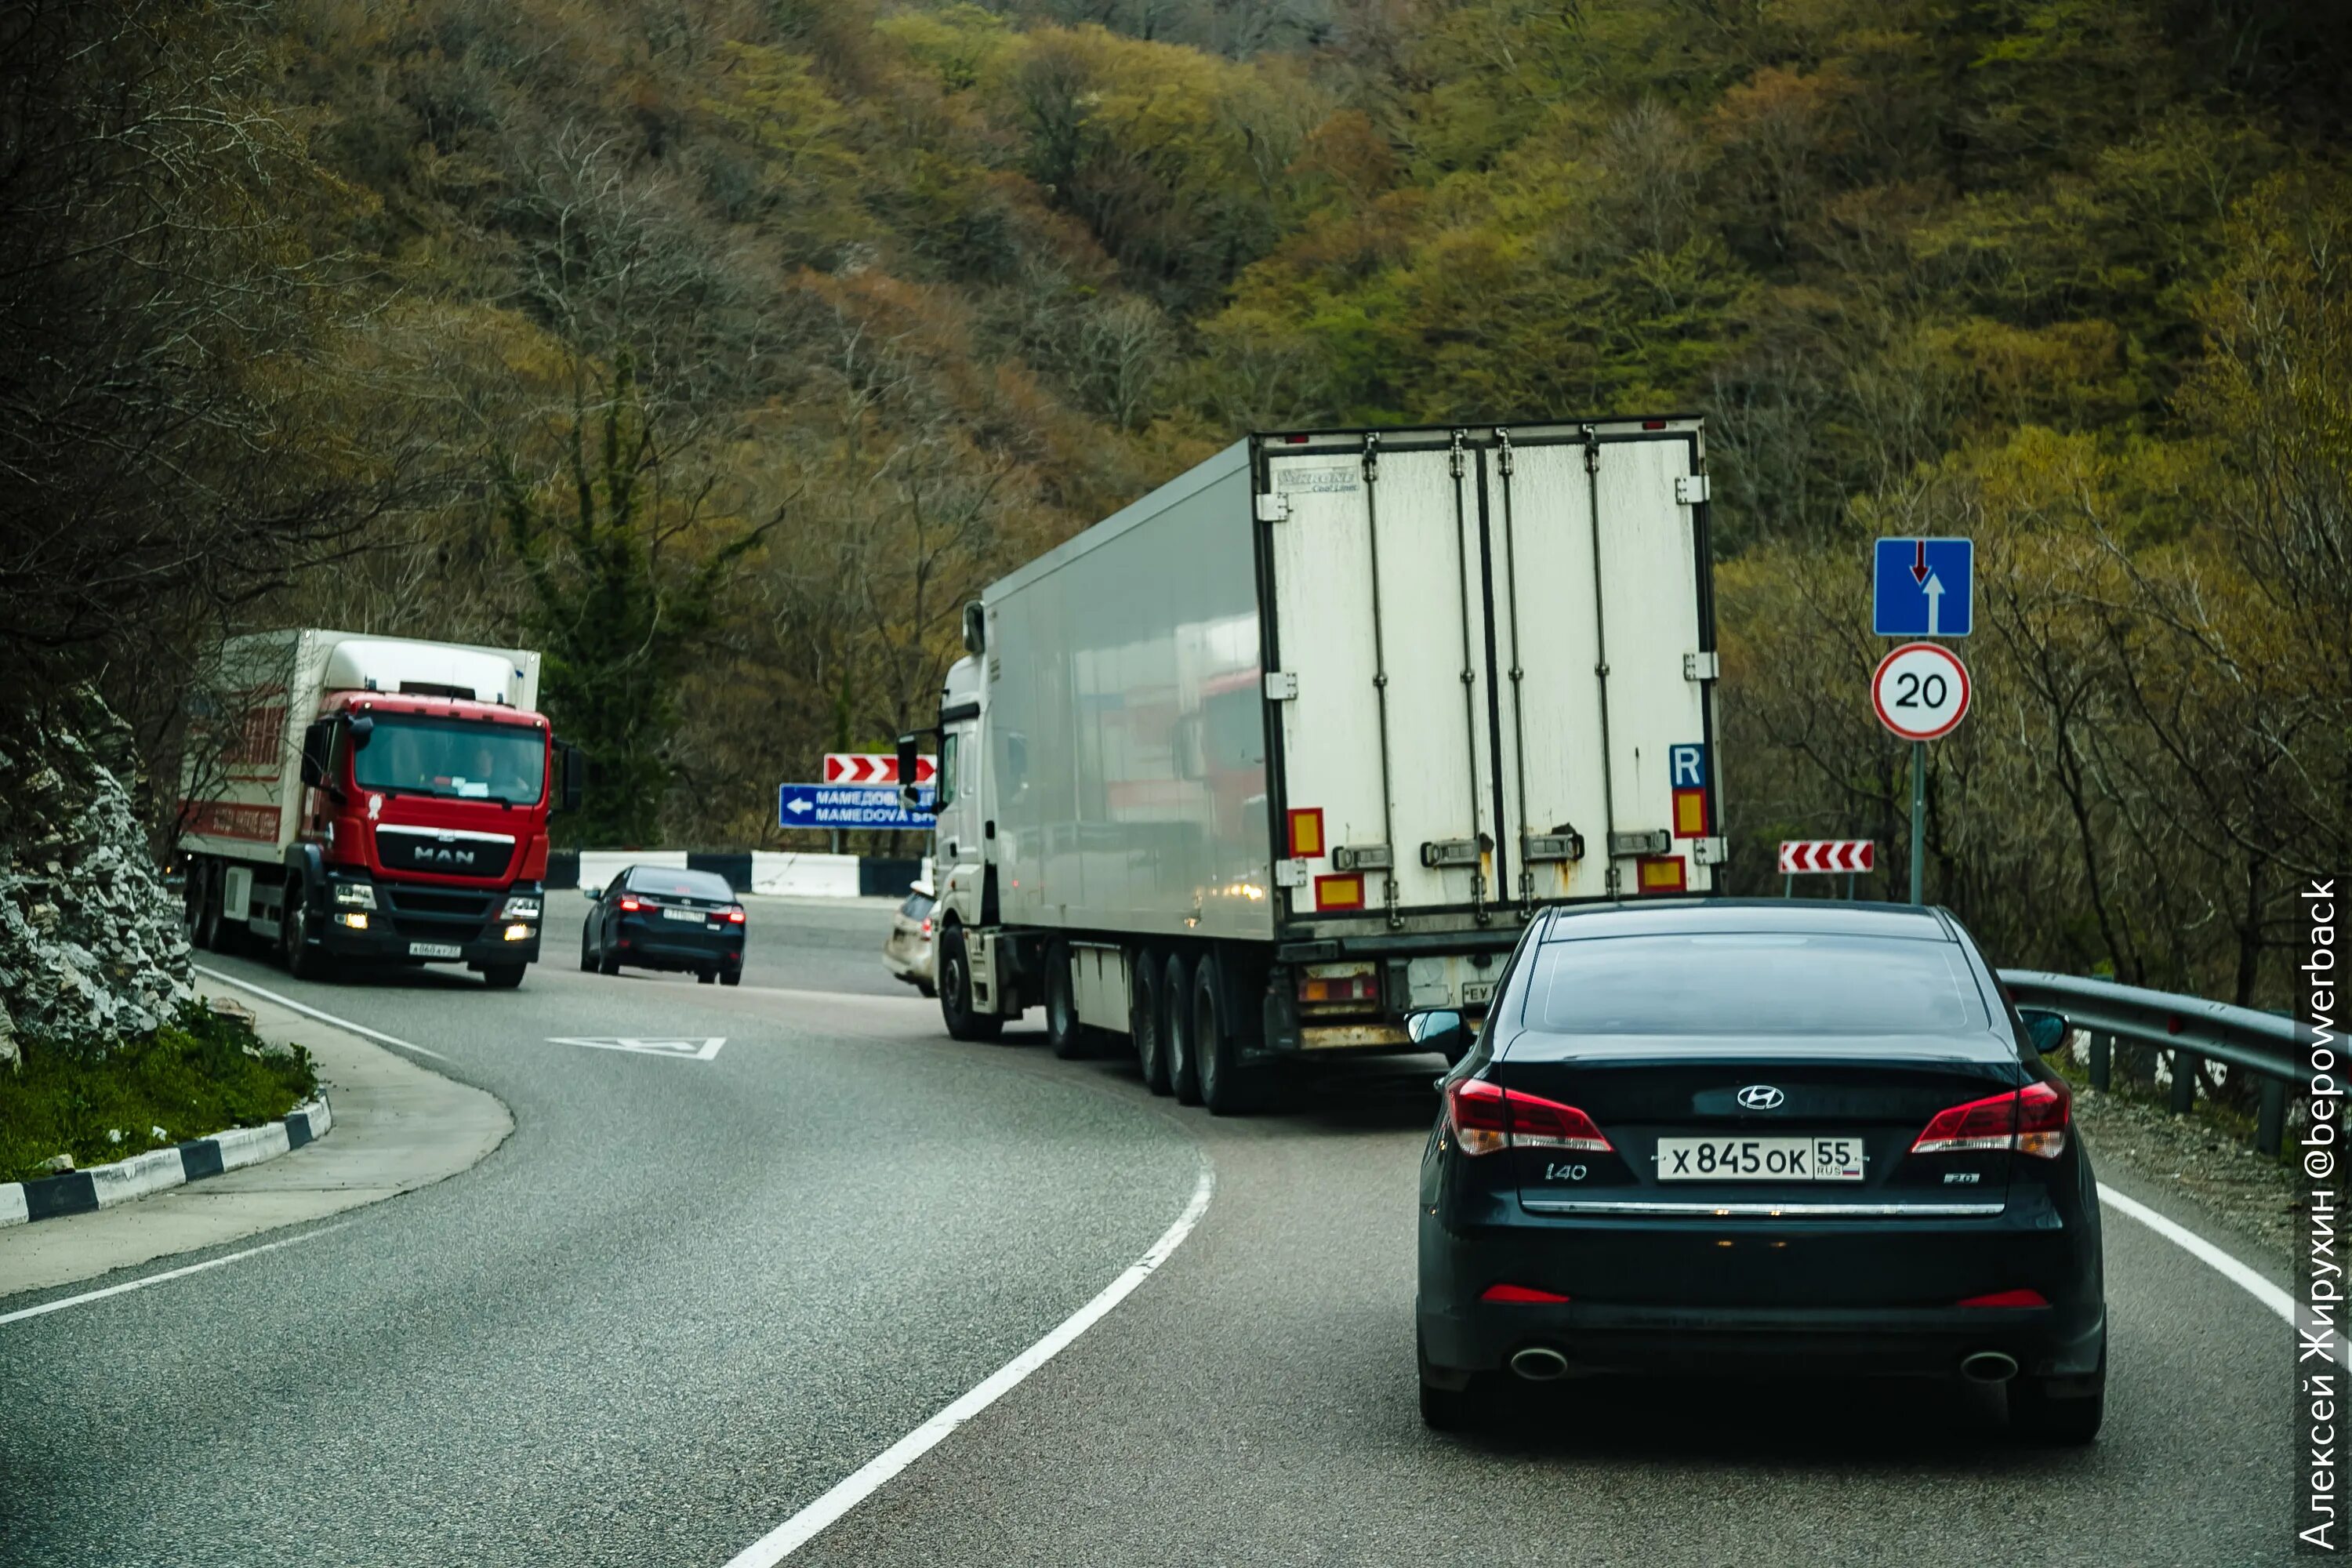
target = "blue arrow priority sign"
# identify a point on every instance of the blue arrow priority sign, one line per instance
(1923, 587)
(850, 805)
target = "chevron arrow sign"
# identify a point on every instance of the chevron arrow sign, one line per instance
(1825, 855)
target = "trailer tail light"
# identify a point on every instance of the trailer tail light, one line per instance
(1342, 892)
(1343, 983)
(1307, 833)
(2030, 1121)
(1486, 1118)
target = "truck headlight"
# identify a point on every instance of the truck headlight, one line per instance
(520, 908)
(355, 895)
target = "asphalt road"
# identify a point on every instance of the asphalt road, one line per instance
(685, 1298)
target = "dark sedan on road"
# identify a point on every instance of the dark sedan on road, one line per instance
(652, 918)
(1741, 1136)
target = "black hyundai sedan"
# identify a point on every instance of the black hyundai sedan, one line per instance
(1750, 1137)
(650, 917)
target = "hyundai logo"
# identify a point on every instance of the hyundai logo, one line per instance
(1762, 1097)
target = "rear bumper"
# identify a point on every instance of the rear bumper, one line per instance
(1862, 1296)
(640, 944)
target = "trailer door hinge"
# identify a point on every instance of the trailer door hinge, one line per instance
(1281, 686)
(1702, 667)
(1273, 507)
(1690, 490)
(1710, 851)
(1290, 873)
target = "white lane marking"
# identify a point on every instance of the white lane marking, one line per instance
(314, 1013)
(60, 1305)
(869, 1478)
(695, 1049)
(2196, 1246)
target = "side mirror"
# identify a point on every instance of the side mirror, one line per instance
(575, 763)
(316, 740)
(2046, 1029)
(1441, 1030)
(907, 767)
(975, 628)
(595, 895)
(360, 729)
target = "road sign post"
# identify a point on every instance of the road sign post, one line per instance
(1921, 693)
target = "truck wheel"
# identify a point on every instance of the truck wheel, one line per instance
(1144, 1018)
(955, 992)
(303, 962)
(1069, 1038)
(503, 976)
(1227, 1088)
(1176, 1024)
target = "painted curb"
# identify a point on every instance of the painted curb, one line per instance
(103, 1186)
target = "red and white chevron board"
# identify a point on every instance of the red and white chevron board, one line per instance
(874, 768)
(1825, 855)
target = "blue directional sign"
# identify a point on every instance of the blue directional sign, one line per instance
(851, 805)
(1923, 587)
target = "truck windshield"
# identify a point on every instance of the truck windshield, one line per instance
(465, 759)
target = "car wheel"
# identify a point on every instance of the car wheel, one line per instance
(2039, 1417)
(303, 962)
(731, 977)
(503, 976)
(1143, 1019)
(706, 977)
(955, 992)
(608, 964)
(1176, 1025)
(1227, 1088)
(1063, 1031)
(587, 954)
(927, 990)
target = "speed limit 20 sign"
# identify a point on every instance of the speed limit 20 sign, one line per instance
(1921, 690)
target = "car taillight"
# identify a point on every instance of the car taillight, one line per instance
(2031, 1121)
(631, 905)
(2009, 1299)
(1487, 1118)
(1521, 1295)
(735, 917)
(927, 928)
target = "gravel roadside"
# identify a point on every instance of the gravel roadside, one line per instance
(2216, 1175)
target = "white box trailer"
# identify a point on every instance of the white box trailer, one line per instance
(1284, 753)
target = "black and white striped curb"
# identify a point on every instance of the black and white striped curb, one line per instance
(103, 1186)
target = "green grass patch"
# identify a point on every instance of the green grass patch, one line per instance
(201, 1074)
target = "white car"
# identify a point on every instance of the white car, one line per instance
(908, 949)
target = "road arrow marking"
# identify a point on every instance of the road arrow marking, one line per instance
(695, 1049)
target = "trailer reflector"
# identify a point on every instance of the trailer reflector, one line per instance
(1690, 814)
(1344, 892)
(1663, 874)
(1307, 833)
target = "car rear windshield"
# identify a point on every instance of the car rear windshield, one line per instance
(1754, 983)
(680, 884)
(916, 907)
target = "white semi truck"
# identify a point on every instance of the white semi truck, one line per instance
(1283, 755)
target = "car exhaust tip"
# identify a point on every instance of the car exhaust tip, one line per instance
(1989, 1366)
(1540, 1364)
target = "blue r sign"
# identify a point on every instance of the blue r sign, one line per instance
(1687, 766)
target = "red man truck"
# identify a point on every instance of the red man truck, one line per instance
(368, 797)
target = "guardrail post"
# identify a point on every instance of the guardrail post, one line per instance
(2184, 1082)
(2270, 1126)
(2103, 1050)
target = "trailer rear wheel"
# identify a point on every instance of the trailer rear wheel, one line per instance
(1227, 1088)
(1069, 1038)
(1176, 1024)
(1144, 1018)
(955, 992)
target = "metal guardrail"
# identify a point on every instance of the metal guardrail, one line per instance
(2191, 1027)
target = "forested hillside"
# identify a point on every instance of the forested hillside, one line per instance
(725, 348)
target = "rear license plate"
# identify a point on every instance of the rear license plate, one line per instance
(435, 950)
(693, 915)
(1477, 993)
(1759, 1159)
